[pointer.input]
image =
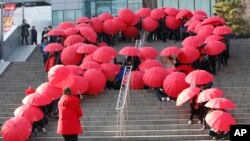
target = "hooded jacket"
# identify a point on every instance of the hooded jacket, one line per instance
(69, 114)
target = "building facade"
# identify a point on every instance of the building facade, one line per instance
(69, 10)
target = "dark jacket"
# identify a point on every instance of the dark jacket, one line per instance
(33, 34)
(25, 29)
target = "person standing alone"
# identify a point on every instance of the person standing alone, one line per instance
(33, 35)
(25, 31)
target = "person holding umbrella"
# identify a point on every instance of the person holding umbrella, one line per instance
(70, 112)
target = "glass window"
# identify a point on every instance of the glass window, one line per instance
(188, 4)
(203, 5)
(57, 17)
(69, 15)
(117, 5)
(134, 5)
(88, 8)
(160, 3)
(103, 6)
(170, 3)
(78, 13)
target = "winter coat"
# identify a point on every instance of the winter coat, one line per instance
(69, 114)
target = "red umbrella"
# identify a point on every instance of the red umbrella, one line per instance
(82, 20)
(110, 70)
(149, 24)
(149, 64)
(87, 49)
(214, 47)
(222, 30)
(97, 24)
(192, 41)
(131, 32)
(37, 99)
(136, 20)
(104, 54)
(119, 24)
(200, 12)
(77, 70)
(29, 112)
(50, 91)
(213, 38)
(144, 12)
(71, 31)
(126, 15)
(30, 90)
(170, 70)
(220, 120)
(65, 25)
(186, 95)
(72, 39)
(174, 83)
(16, 129)
(148, 52)
(88, 58)
(95, 85)
(198, 17)
(136, 80)
(171, 11)
(171, 51)
(215, 20)
(89, 34)
(77, 45)
(154, 77)
(84, 25)
(86, 65)
(188, 55)
(220, 103)
(102, 44)
(129, 51)
(60, 76)
(197, 28)
(199, 77)
(185, 69)
(105, 16)
(108, 28)
(81, 85)
(52, 47)
(69, 56)
(205, 31)
(209, 94)
(184, 13)
(192, 26)
(56, 32)
(172, 23)
(157, 13)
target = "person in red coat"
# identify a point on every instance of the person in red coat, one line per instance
(70, 112)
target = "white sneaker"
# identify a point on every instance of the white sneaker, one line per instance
(44, 130)
(190, 122)
(163, 98)
(168, 99)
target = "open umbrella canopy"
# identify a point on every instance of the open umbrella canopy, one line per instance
(29, 112)
(188, 55)
(136, 80)
(199, 77)
(149, 64)
(89, 34)
(119, 24)
(129, 51)
(197, 28)
(157, 13)
(220, 120)
(65, 25)
(52, 47)
(88, 58)
(104, 54)
(198, 18)
(192, 41)
(56, 32)
(71, 31)
(185, 69)
(149, 24)
(16, 129)
(222, 30)
(108, 28)
(215, 20)
(60, 76)
(186, 95)
(95, 85)
(209, 94)
(86, 65)
(205, 31)
(105, 16)
(131, 32)
(126, 15)
(136, 20)
(213, 38)
(77, 70)
(80, 86)
(200, 12)
(82, 20)
(37, 99)
(184, 13)
(97, 24)
(148, 52)
(173, 23)
(154, 77)
(171, 11)
(50, 91)
(87, 49)
(144, 12)
(192, 26)
(84, 25)
(171, 51)
(110, 70)
(69, 56)
(174, 84)
(72, 39)
(220, 103)
(214, 47)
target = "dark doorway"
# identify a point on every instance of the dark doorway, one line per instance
(152, 4)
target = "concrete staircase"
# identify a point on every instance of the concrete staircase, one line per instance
(148, 118)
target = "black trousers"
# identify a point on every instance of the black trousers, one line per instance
(70, 137)
(26, 39)
(33, 40)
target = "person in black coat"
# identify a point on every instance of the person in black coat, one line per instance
(25, 31)
(45, 31)
(134, 61)
(33, 35)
